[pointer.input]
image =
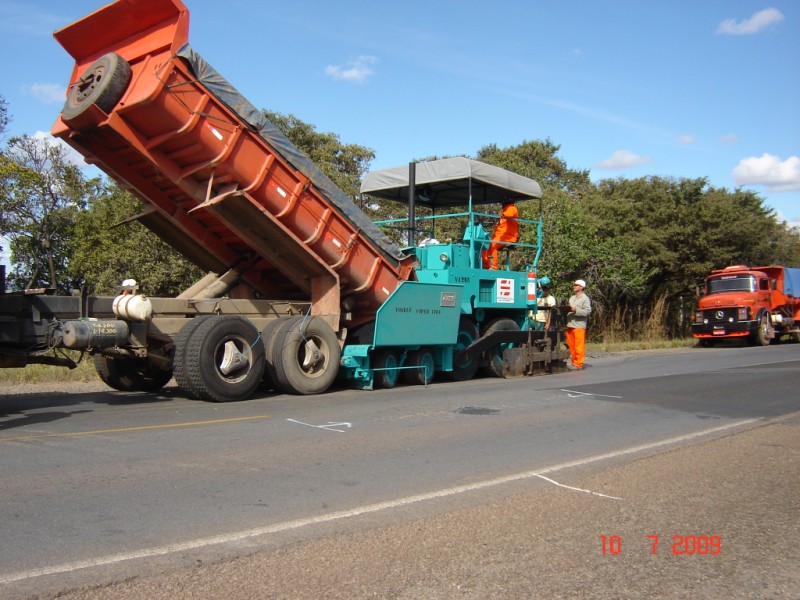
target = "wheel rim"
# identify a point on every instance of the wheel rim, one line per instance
(89, 82)
(232, 359)
(391, 375)
(426, 367)
(467, 334)
(313, 356)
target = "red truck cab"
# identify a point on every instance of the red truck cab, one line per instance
(761, 304)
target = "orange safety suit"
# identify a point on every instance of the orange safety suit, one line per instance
(507, 230)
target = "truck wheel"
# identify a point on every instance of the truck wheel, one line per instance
(386, 364)
(761, 336)
(423, 374)
(494, 355)
(225, 359)
(305, 356)
(130, 374)
(268, 337)
(179, 370)
(467, 334)
(101, 85)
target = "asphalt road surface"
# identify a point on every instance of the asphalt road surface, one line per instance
(669, 474)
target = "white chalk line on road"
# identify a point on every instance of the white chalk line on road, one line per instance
(355, 512)
(569, 487)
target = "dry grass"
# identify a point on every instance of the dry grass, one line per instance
(83, 373)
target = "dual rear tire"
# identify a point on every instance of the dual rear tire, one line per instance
(225, 358)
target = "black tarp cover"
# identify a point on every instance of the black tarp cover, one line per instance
(229, 95)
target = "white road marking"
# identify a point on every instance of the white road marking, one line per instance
(355, 512)
(569, 487)
(330, 426)
(574, 394)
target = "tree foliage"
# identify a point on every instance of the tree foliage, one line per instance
(106, 248)
(40, 195)
(4, 117)
(572, 246)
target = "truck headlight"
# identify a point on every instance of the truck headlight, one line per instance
(743, 314)
(698, 317)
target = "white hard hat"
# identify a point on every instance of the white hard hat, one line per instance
(579, 282)
(129, 283)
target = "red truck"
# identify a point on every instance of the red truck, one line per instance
(761, 304)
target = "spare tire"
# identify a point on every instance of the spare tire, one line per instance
(101, 85)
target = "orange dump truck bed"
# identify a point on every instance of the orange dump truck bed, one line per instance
(221, 183)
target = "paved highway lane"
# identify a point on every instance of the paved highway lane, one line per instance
(117, 480)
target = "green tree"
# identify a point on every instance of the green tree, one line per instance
(572, 246)
(5, 119)
(40, 195)
(107, 249)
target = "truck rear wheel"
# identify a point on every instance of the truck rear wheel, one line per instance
(225, 359)
(130, 374)
(268, 337)
(101, 85)
(494, 355)
(179, 370)
(305, 355)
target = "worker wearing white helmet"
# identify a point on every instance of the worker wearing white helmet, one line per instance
(577, 319)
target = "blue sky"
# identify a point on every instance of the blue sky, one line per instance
(676, 88)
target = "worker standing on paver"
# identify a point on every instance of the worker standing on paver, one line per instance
(546, 304)
(577, 313)
(506, 230)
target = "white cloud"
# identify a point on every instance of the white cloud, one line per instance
(781, 218)
(622, 159)
(687, 139)
(355, 71)
(729, 139)
(760, 20)
(49, 93)
(769, 171)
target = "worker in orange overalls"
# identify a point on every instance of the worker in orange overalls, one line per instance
(506, 230)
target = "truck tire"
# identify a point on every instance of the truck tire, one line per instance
(101, 85)
(467, 334)
(182, 342)
(267, 337)
(130, 374)
(305, 356)
(760, 336)
(494, 355)
(386, 363)
(426, 366)
(272, 352)
(225, 359)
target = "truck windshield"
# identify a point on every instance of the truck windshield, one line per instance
(731, 283)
